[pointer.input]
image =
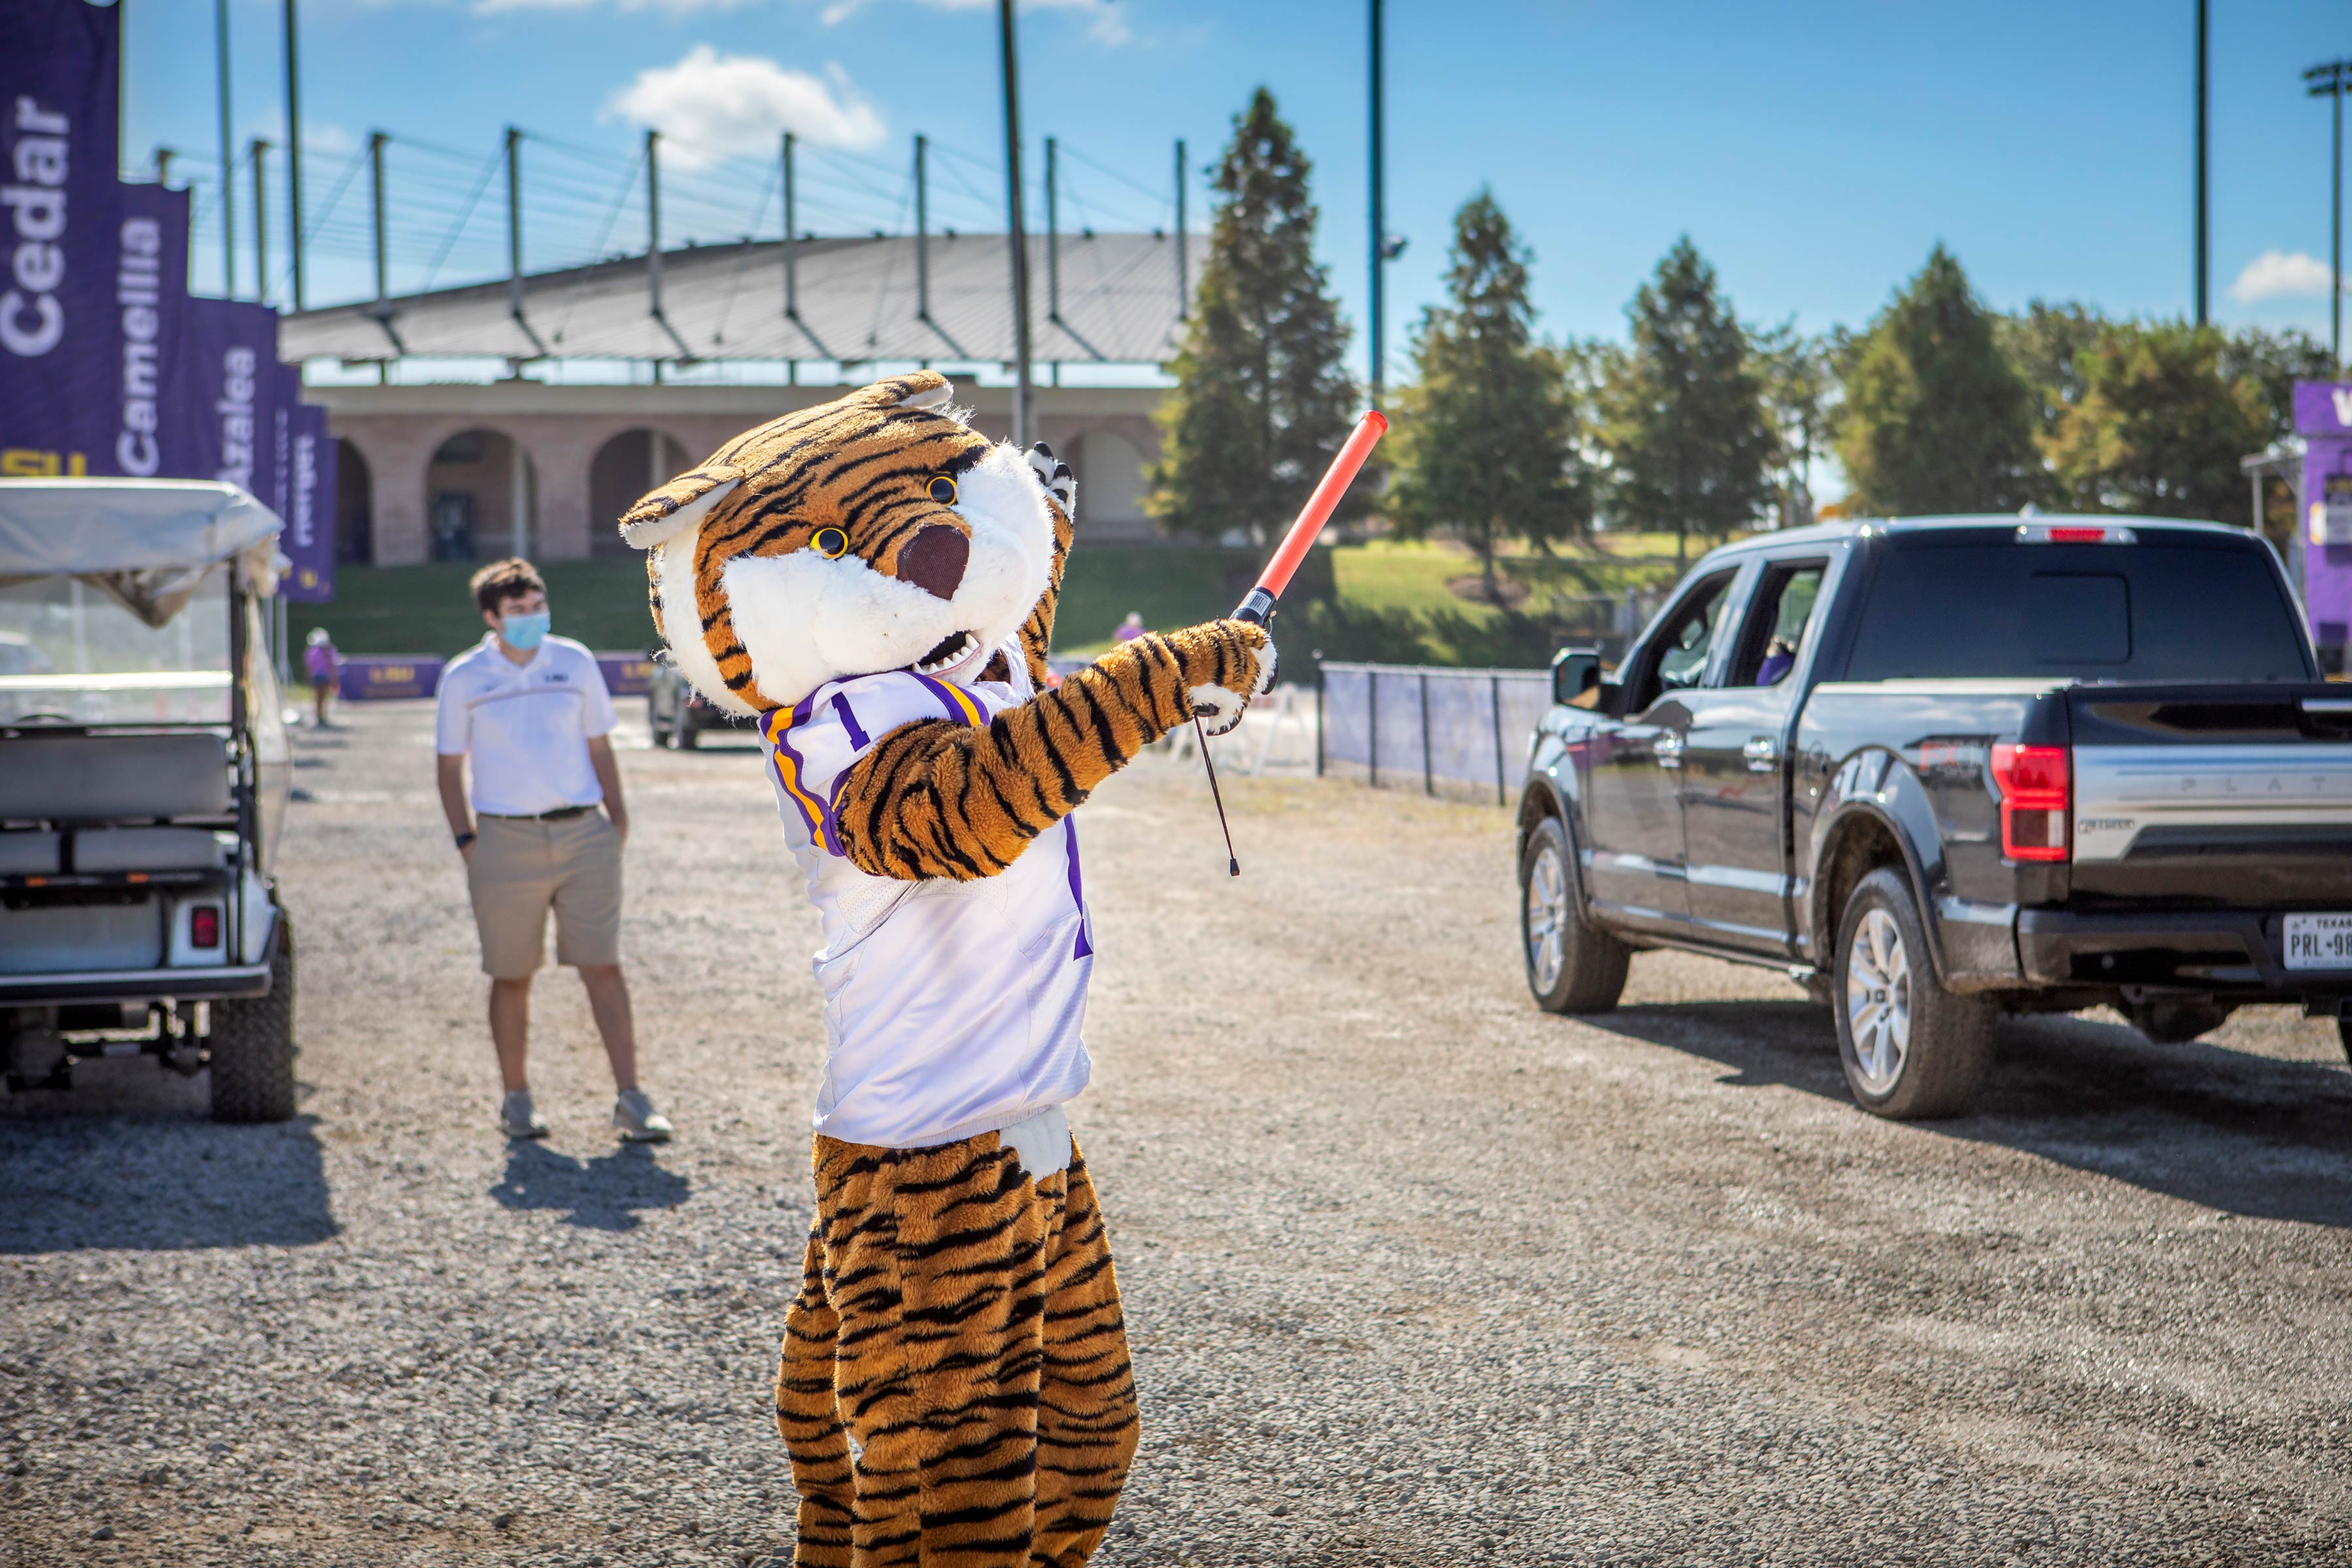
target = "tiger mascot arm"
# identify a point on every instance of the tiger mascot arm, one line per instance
(880, 533)
(936, 799)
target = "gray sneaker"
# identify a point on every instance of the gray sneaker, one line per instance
(636, 1121)
(518, 1119)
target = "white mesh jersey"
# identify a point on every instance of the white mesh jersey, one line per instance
(951, 1008)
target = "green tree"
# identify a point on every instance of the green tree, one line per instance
(1262, 401)
(1486, 446)
(1936, 417)
(2045, 344)
(1799, 377)
(1689, 444)
(2159, 426)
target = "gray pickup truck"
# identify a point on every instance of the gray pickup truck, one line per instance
(1941, 769)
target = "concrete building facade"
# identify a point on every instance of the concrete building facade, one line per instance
(475, 470)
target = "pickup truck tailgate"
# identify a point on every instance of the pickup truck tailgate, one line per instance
(2226, 795)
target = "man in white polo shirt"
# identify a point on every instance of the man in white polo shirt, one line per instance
(532, 713)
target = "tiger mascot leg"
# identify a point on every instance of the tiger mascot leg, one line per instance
(874, 585)
(954, 1384)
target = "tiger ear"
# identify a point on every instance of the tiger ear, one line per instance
(926, 389)
(661, 515)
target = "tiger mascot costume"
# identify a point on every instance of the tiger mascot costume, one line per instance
(875, 584)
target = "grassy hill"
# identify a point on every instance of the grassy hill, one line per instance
(1381, 600)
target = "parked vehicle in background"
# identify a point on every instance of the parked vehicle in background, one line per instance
(144, 772)
(1999, 764)
(675, 712)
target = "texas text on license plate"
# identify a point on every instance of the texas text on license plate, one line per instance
(2319, 941)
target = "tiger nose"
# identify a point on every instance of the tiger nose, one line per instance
(934, 560)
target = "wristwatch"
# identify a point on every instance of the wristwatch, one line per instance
(463, 841)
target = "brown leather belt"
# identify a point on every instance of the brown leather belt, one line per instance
(560, 813)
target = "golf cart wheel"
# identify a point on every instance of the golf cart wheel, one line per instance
(1572, 967)
(1911, 1049)
(253, 1048)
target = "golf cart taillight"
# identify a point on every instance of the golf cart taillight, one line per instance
(204, 926)
(2036, 785)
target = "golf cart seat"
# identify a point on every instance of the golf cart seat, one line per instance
(113, 778)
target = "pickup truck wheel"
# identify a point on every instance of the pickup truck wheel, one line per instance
(1911, 1049)
(253, 1048)
(1572, 967)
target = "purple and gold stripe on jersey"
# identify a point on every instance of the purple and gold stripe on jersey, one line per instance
(792, 770)
(959, 704)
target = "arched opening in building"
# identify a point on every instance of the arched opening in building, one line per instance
(624, 469)
(355, 502)
(479, 498)
(1111, 486)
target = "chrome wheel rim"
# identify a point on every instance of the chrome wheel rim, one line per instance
(1878, 1001)
(1546, 917)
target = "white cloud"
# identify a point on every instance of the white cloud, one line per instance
(716, 105)
(673, 8)
(1104, 23)
(2280, 275)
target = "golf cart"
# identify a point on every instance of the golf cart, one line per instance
(143, 777)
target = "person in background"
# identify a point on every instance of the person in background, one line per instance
(531, 713)
(325, 667)
(1779, 657)
(1130, 628)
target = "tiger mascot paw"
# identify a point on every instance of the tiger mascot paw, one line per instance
(1238, 658)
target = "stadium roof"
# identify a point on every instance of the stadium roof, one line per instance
(857, 301)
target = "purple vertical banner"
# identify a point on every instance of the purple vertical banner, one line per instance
(60, 205)
(150, 297)
(309, 540)
(227, 383)
(2323, 414)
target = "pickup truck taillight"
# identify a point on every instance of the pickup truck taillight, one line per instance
(2036, 796)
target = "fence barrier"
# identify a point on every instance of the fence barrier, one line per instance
(373, 677)
(1425, 724)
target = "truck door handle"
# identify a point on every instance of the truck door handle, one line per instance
(1763, 755)
(1669, 749)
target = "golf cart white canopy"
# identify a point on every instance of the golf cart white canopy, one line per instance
(148, 543)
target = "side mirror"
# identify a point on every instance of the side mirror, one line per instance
(1574, 672)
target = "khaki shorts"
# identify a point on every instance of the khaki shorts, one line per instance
(521, 869)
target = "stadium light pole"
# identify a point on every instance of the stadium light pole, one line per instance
(294, 152)
(227, 155)
(2331, 80)
(260, 223)
(1018, 240)
(2204, 203)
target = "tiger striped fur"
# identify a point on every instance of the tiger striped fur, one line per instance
(954, 1386)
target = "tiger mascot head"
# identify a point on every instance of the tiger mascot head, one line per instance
(875, 533)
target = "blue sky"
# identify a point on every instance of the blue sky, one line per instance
(1814, 151)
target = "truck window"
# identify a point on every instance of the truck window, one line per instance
(2182, 607)
(1677, 657)
(1782, 609)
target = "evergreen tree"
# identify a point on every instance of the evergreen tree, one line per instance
(1262, 401)
(1936, 417)
(1800, 373)
(2159, 428)
(1485, 444)
(1689, 443)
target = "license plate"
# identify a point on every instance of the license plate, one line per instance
(2319, 941)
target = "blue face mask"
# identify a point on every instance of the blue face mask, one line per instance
(524, 632)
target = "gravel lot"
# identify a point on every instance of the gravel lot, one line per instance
(1415, 1274)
